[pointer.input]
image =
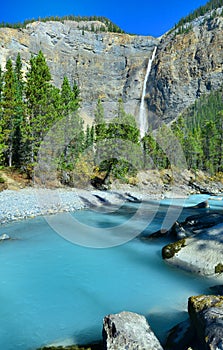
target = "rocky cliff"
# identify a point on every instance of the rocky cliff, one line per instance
(105, 65)
(112, 65)
(186, 66)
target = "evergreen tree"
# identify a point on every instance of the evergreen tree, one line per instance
(122, 146)
(99, 122)
(89, 137)
(41, 101)
(8, 118)
(1, 83)
(73, 132)
(20, 112)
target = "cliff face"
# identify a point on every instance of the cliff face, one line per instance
(186, 66)
(111, 65)
(105, 65)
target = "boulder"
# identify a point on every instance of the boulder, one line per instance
(202, 221)
(206, 314)
(128, 330)
(180, 337)
(201, 254)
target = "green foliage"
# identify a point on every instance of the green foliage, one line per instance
(183, 25)
(8, 114)
(99, 122)
(117, 143)
(30, 108)
(155, 156)
(41, 108)
(200, 132)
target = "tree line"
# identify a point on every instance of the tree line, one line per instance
(30, 106)
(200, 132)
(108, 26)
(184, 25)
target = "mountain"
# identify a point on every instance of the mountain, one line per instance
(106, 65)
(188, 64)
(110, 66)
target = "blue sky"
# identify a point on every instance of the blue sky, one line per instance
(140, 17)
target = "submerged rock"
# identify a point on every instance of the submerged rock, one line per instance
(4, 237)
(128, 330)
(201, 205)
(180, 337)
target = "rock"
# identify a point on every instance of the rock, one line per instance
(206, 314)
(217, 290)
(170, 250)
(181, 336)
(128, 330)
(200, 222)
(201, 254)
(201, 205)
(105, 65)
(186, 66)
(4, 237)
(113, 65)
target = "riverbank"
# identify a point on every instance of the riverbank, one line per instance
(32, 202)
(19, 201)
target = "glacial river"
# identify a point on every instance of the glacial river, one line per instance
(55, 291)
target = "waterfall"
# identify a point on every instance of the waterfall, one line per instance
(143, 125)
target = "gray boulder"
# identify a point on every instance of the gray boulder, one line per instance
(201, 254)
(206, 314)
(128, 331)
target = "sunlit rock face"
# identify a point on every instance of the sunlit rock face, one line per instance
(109, 66)
(187, 65)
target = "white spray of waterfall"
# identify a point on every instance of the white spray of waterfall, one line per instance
(143, 124)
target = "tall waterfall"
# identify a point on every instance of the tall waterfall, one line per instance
(143, 124)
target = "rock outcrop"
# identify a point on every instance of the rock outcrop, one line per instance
(105, 65)
(203, 330)
(128, 330)
(112, 65)
(186, 66)
(206, 314)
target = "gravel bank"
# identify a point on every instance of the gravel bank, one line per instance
(31, 202)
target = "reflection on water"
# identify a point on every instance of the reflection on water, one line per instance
(52, 290)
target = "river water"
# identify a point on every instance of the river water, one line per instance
(53, 290)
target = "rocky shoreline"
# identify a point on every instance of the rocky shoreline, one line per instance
(31, 202)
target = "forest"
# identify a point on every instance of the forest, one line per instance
(31, 106)
(184, 25)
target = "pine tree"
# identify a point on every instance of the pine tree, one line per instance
(8, 118)
(73, 132)
(123, 149)
(99, 122)
(20, 112)
(1, 83)
(41, 100)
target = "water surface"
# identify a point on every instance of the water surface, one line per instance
(52, 290)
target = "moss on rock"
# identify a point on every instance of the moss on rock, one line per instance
(219, 268)
(171, 249)
(201, 302)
